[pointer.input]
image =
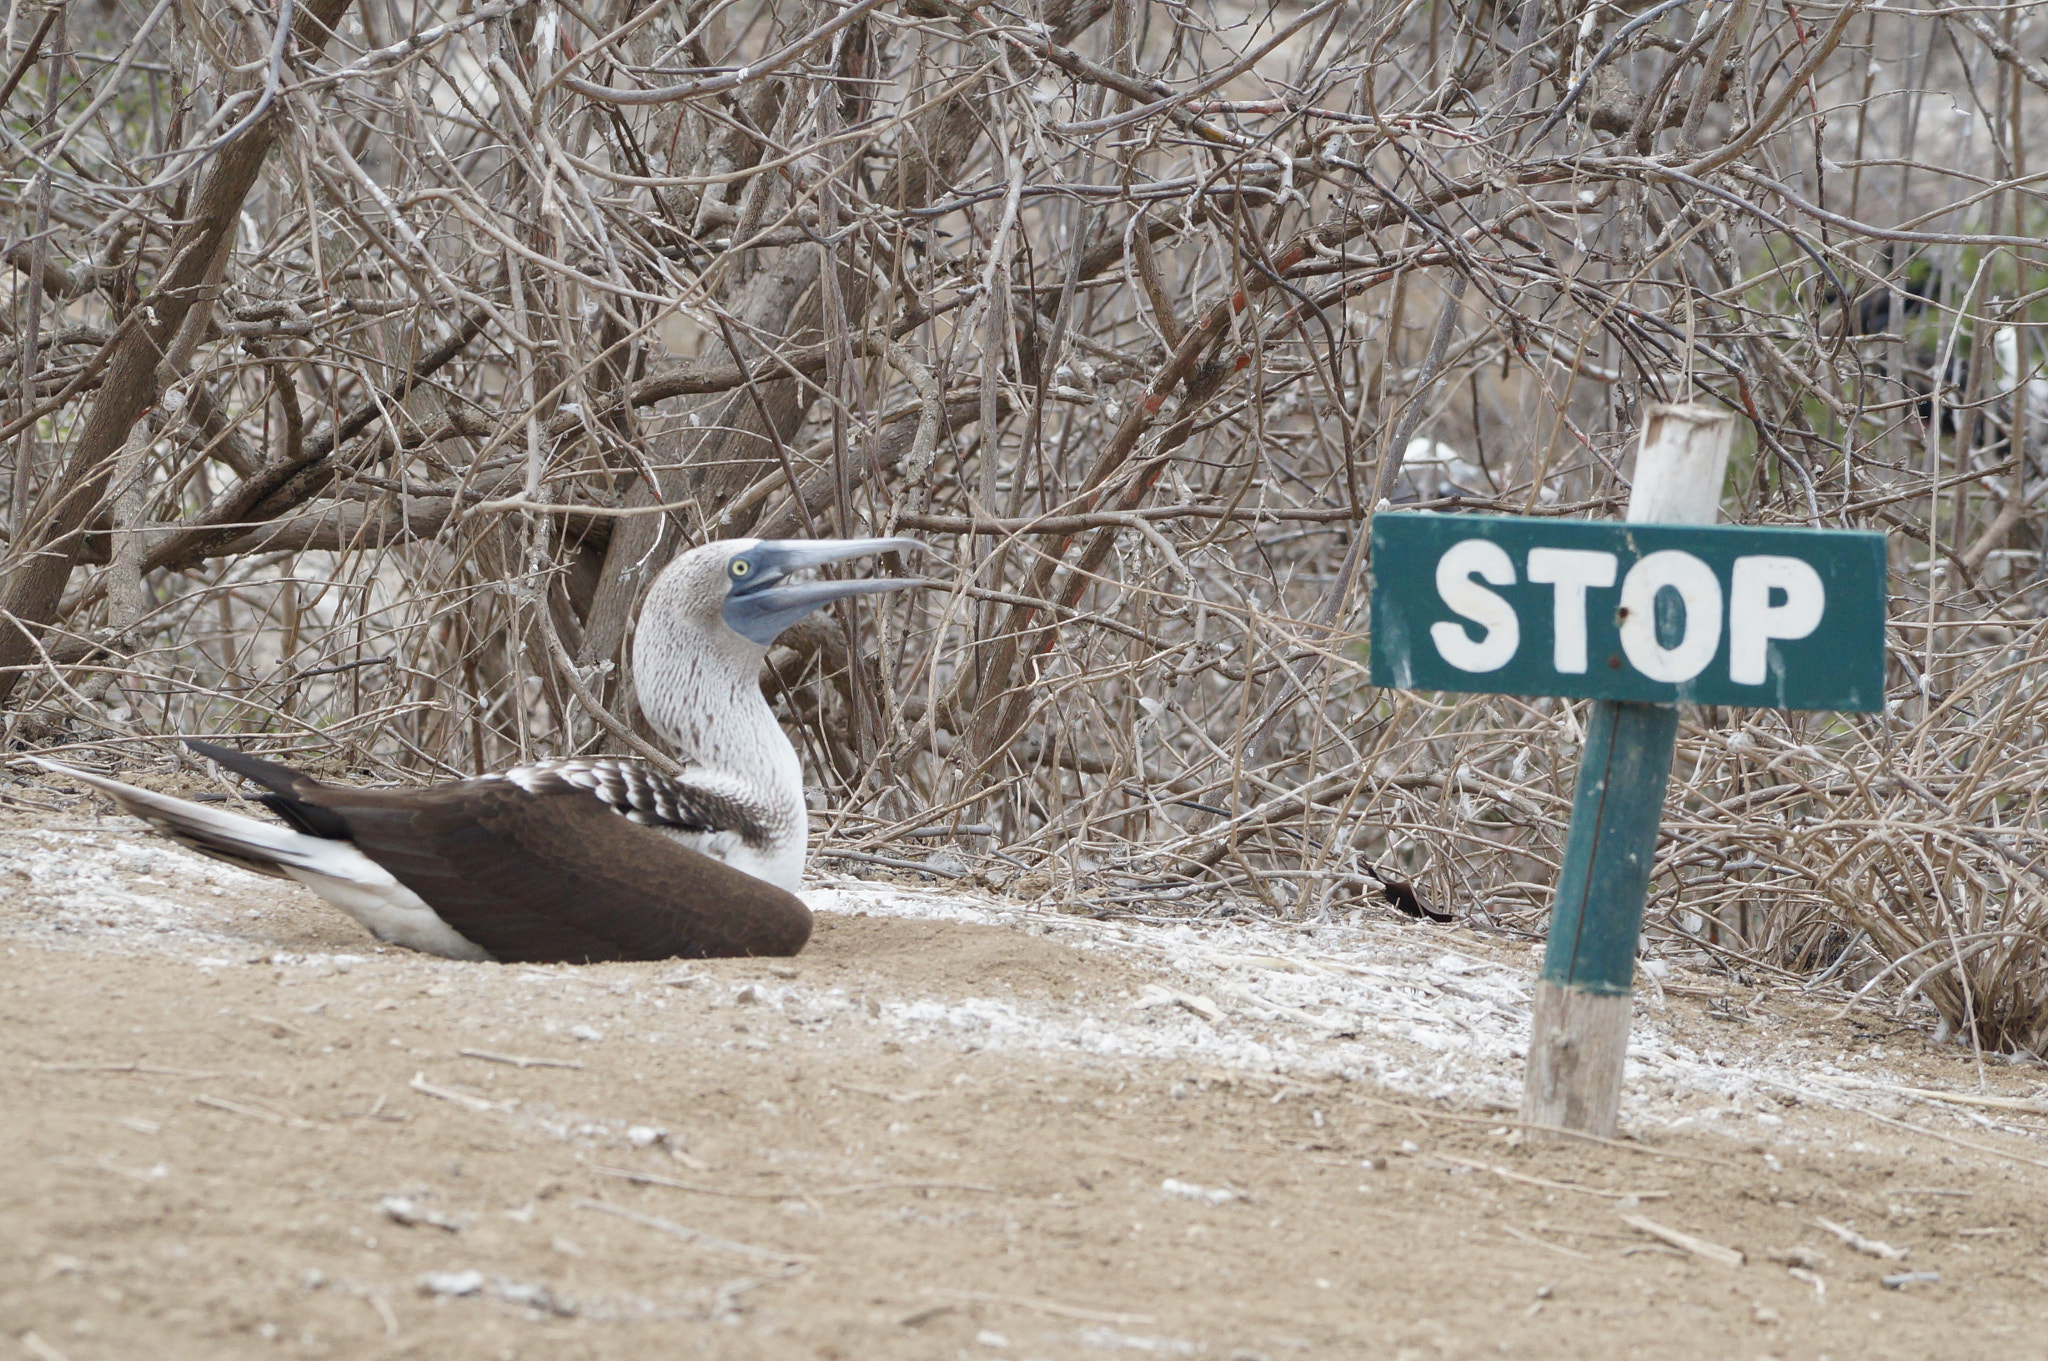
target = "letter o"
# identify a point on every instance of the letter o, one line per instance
(1698, 588)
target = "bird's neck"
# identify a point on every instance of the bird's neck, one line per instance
(707, 707)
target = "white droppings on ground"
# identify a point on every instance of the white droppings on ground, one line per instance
(1437, 1013)
(1380, 1002)
(97, 884)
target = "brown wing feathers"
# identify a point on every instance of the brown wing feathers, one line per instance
(559, 876)
(552, 876)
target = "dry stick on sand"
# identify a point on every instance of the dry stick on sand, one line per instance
(1869, 1247)
(517, 1060)
(2028, 1105)
(151, 1069)
(219, 1104)
(1046, 1307)
(1544, 1243)
(693, 1237)
(1544, 1182)
(381, 1307)
(1957, 1140)
(41, 1350)
(106, 1165)
(656, 1179)
(478, 1104)
(254, 1112)
(1699, 1247)
(1921, 1130)
(725, 1298)
(900, 1098)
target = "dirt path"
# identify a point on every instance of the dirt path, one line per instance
(951, 1128)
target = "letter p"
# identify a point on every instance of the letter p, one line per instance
(1753, 620)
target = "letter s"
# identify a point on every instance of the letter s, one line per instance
(1502, 634)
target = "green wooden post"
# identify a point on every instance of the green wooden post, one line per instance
(1579, 1036)
(1579, 1041)
(1605, 876)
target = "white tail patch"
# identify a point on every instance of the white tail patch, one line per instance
(260, 846)
(336, 870)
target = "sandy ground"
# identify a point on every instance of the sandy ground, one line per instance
(955, 1127)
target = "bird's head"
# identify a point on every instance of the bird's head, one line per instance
(753, 587)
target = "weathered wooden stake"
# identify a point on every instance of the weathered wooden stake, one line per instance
(1582, 1003)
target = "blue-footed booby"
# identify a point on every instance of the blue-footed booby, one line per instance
(575, 861)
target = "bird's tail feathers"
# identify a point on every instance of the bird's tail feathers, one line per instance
(288, 789)
(272, 776)
(258, 846)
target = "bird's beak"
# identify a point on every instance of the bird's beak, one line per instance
(767, 603)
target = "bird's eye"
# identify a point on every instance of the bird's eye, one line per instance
(741, 568)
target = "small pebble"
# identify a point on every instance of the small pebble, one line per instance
(1188, 1190)
(452, 1282)
(401, 1210)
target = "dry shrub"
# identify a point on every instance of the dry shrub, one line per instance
(1960, 932)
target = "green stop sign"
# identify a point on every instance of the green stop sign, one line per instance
(1704, 614)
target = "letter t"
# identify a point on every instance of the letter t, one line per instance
(1570, 572)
